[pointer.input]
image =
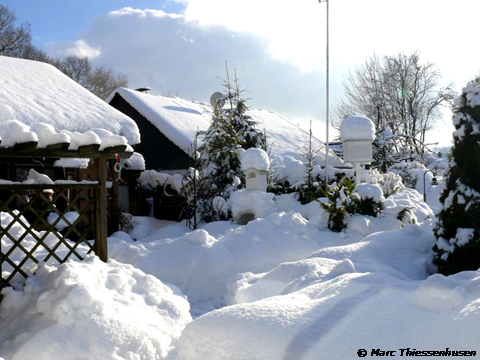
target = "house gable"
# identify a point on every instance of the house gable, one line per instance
(159, 152)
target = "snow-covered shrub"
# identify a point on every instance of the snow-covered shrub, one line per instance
(170, 193)
(409, 171)
(457, 246)
(341, 203)
(345, 199)
(390, 182)
(371, 199)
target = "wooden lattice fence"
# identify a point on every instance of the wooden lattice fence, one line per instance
(22, 247)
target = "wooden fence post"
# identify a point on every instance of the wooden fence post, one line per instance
(101, 248)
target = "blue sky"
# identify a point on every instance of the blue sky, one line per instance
(64, 20)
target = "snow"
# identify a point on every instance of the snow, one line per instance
(37, 178)
(135, 162)
(70, 216)
(108, 139)
(357, 128)
(281, 287)
(14, 132)
(47, 135)
(75, 163)
(179, 120)
(154, 178)
(362, 296)
(90, 310)
(259, 203)
(254, 158)
(369, 191)
(33, 92)
(81, 139)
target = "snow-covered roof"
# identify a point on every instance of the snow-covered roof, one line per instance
(14, 132)
(179, 119)
(34, 92)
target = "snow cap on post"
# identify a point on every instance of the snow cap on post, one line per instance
(254, 158)
(357, 128)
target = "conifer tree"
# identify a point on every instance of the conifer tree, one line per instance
(457, 245)
(231, 130)
(310, 189)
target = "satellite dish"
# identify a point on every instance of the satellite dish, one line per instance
(217, 99)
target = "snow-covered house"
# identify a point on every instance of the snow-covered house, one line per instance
(168, 126)
(46, 101)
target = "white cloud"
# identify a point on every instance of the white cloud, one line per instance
(278, 46)
(173, 56)
(78, 48)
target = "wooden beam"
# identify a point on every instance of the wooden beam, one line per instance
(46, 153)
(25, 147)
(58, 147)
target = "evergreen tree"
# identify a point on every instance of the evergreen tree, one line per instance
(457, 245)
(310, 189)
(231, 130)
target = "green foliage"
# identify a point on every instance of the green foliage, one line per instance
(457, 245)
(402, 214)
(368, 207)
(310, 189)
(343, 201)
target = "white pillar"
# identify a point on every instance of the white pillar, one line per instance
(357, 172)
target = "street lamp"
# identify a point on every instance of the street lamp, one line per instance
(328, 93)
(434, 182)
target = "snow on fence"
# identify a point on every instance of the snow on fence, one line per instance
(53, 234)
(22, 247)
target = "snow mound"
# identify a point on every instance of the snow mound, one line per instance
(257, 202)
(90, 310)
(14, 132)
(441, 293)
(357, 128)
(254, 158)
(47, 135)
(74, 163)
(341, 300)
(286, 278)
(135, 162)
(370, 191)
(201, 266)
(37, 178)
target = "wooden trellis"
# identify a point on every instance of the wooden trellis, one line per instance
(88, 199)
(85, 199)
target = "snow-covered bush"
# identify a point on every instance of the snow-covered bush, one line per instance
(345, 199)
(171, 184)
(409, 171)
(457, 246)
(390, 182)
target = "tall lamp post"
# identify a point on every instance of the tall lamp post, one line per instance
(328, 92)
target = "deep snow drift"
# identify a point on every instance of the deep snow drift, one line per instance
(282, 287)
(90, 310)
